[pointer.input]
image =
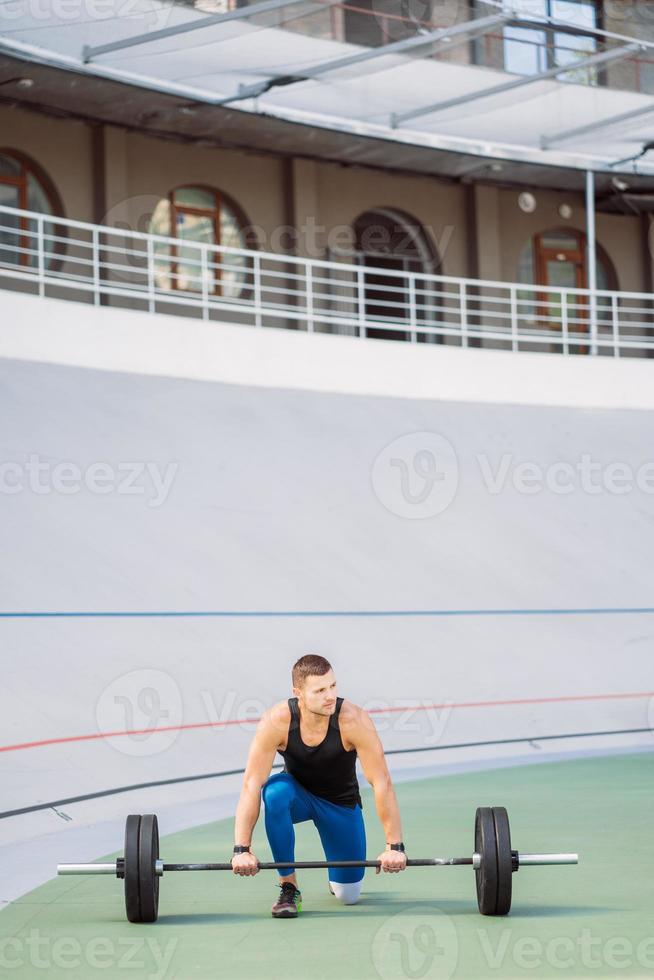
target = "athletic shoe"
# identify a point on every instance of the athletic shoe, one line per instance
(289, 902)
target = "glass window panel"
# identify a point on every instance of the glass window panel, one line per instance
(195, 197)
(195, 228)
(9, 167)
(9, 238)
(362, 25)
(233, 277)
(189, 268)
(564, 242)
(560, 240)
(568, 49)
(578, 14)
(9, 197)
(561, 273)
(24, 245)
(192, 228)
(31, 244)
(528, 51)
(645, 75)
(181, 267)
(524, 51)
(52, 244)
(529, 9)
(526, 299)
(160, 220)
(526, 263)
(37, 199)
(160, 225)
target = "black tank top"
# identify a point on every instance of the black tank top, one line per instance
(326, 770)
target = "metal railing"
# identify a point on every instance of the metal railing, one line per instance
(97, 264)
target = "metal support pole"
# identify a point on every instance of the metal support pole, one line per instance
(204, 273)
(615, 325)
(413, 316)
(308, 274)
(151, 280)
(463, 312)
(361, 304)
(564, 320)
(514, 318)
(96, 266)
(40, 254)
(256, 272)
(592, 257)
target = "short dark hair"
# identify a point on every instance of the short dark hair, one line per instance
(311, 665)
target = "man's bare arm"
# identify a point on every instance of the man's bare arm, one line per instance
(257, 770)
(363, 735)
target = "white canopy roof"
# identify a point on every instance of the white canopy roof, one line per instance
(377, 92)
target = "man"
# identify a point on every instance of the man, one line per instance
(319, 736)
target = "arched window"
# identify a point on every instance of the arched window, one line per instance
(558, 258)
(201, 215)
(387, 239)
(25, 186)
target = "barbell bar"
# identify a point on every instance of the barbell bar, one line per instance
(493, 861)
(524, 860)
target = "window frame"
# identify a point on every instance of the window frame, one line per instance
(220, 198)
(214, 215)
(29, 166)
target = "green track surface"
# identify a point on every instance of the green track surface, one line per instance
(596, 919)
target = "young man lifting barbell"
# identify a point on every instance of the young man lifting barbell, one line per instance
(319, 736)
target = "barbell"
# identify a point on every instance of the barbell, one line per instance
(493, 861)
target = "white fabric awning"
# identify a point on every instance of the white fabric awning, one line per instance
(376, 93)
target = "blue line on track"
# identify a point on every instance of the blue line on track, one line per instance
(318, 613)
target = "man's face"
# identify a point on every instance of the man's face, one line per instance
(318, 694)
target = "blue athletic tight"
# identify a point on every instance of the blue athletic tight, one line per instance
(341, 828)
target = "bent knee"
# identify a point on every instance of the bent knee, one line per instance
(348, 893)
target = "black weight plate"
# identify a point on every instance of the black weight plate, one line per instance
(132, 886)
(504, 862)
(486, 875)
(148, 877)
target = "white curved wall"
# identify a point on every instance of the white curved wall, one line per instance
(277, 505)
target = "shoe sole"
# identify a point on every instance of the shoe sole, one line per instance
(288, 913)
